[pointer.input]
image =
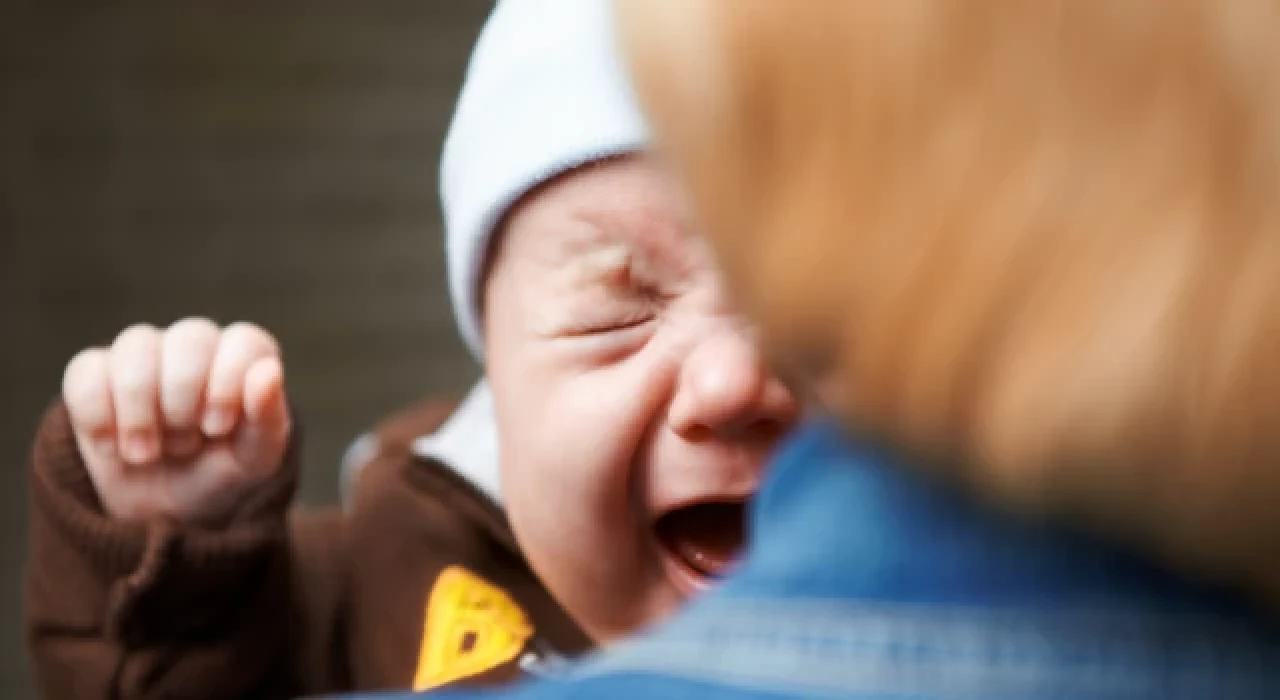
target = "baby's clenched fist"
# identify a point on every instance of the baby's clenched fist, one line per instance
(179, 422)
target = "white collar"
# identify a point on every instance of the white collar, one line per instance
(468, 442)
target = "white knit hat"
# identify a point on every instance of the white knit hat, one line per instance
(544, 92)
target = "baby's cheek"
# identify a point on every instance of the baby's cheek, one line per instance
(573, 436)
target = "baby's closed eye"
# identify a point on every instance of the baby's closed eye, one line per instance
(617, 303)
(609, 321)
(611, 290)
(602, 326)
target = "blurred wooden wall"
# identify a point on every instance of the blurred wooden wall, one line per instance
(272, 161)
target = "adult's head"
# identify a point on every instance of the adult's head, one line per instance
(1036, 243)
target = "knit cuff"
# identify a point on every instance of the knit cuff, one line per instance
(144, 574)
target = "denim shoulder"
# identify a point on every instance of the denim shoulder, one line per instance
(621, 686)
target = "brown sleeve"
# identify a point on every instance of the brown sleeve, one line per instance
(132, 610)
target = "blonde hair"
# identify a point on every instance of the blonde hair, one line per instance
(1036, 242)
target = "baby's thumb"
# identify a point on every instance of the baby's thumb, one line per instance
(260, 443)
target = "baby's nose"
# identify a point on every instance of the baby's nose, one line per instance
(726, 391)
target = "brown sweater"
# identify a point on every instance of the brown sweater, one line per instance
(418, 582)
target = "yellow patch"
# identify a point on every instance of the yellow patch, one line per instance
(471, 626)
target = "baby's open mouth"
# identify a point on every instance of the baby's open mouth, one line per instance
(704, 539)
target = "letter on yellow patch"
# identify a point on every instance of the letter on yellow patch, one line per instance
(471, 626)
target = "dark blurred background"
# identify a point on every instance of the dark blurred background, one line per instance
(271, 161)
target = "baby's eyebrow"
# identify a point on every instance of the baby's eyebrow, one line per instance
(602, 246)
(608, 261)
(573, 259)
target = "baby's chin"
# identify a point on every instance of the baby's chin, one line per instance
(689, 551)
(625, 618)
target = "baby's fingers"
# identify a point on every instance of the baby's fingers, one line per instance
(86, 391)
(242, 345)
(135, 379)
(187, 357)
(265, 432)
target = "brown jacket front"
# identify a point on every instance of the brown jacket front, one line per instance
(418, 581)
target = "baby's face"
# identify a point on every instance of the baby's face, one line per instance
(633, 410)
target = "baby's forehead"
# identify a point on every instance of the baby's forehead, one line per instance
(610, 234)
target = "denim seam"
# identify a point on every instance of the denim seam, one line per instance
(833, 648)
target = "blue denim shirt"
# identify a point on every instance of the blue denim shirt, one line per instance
(864, 581)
